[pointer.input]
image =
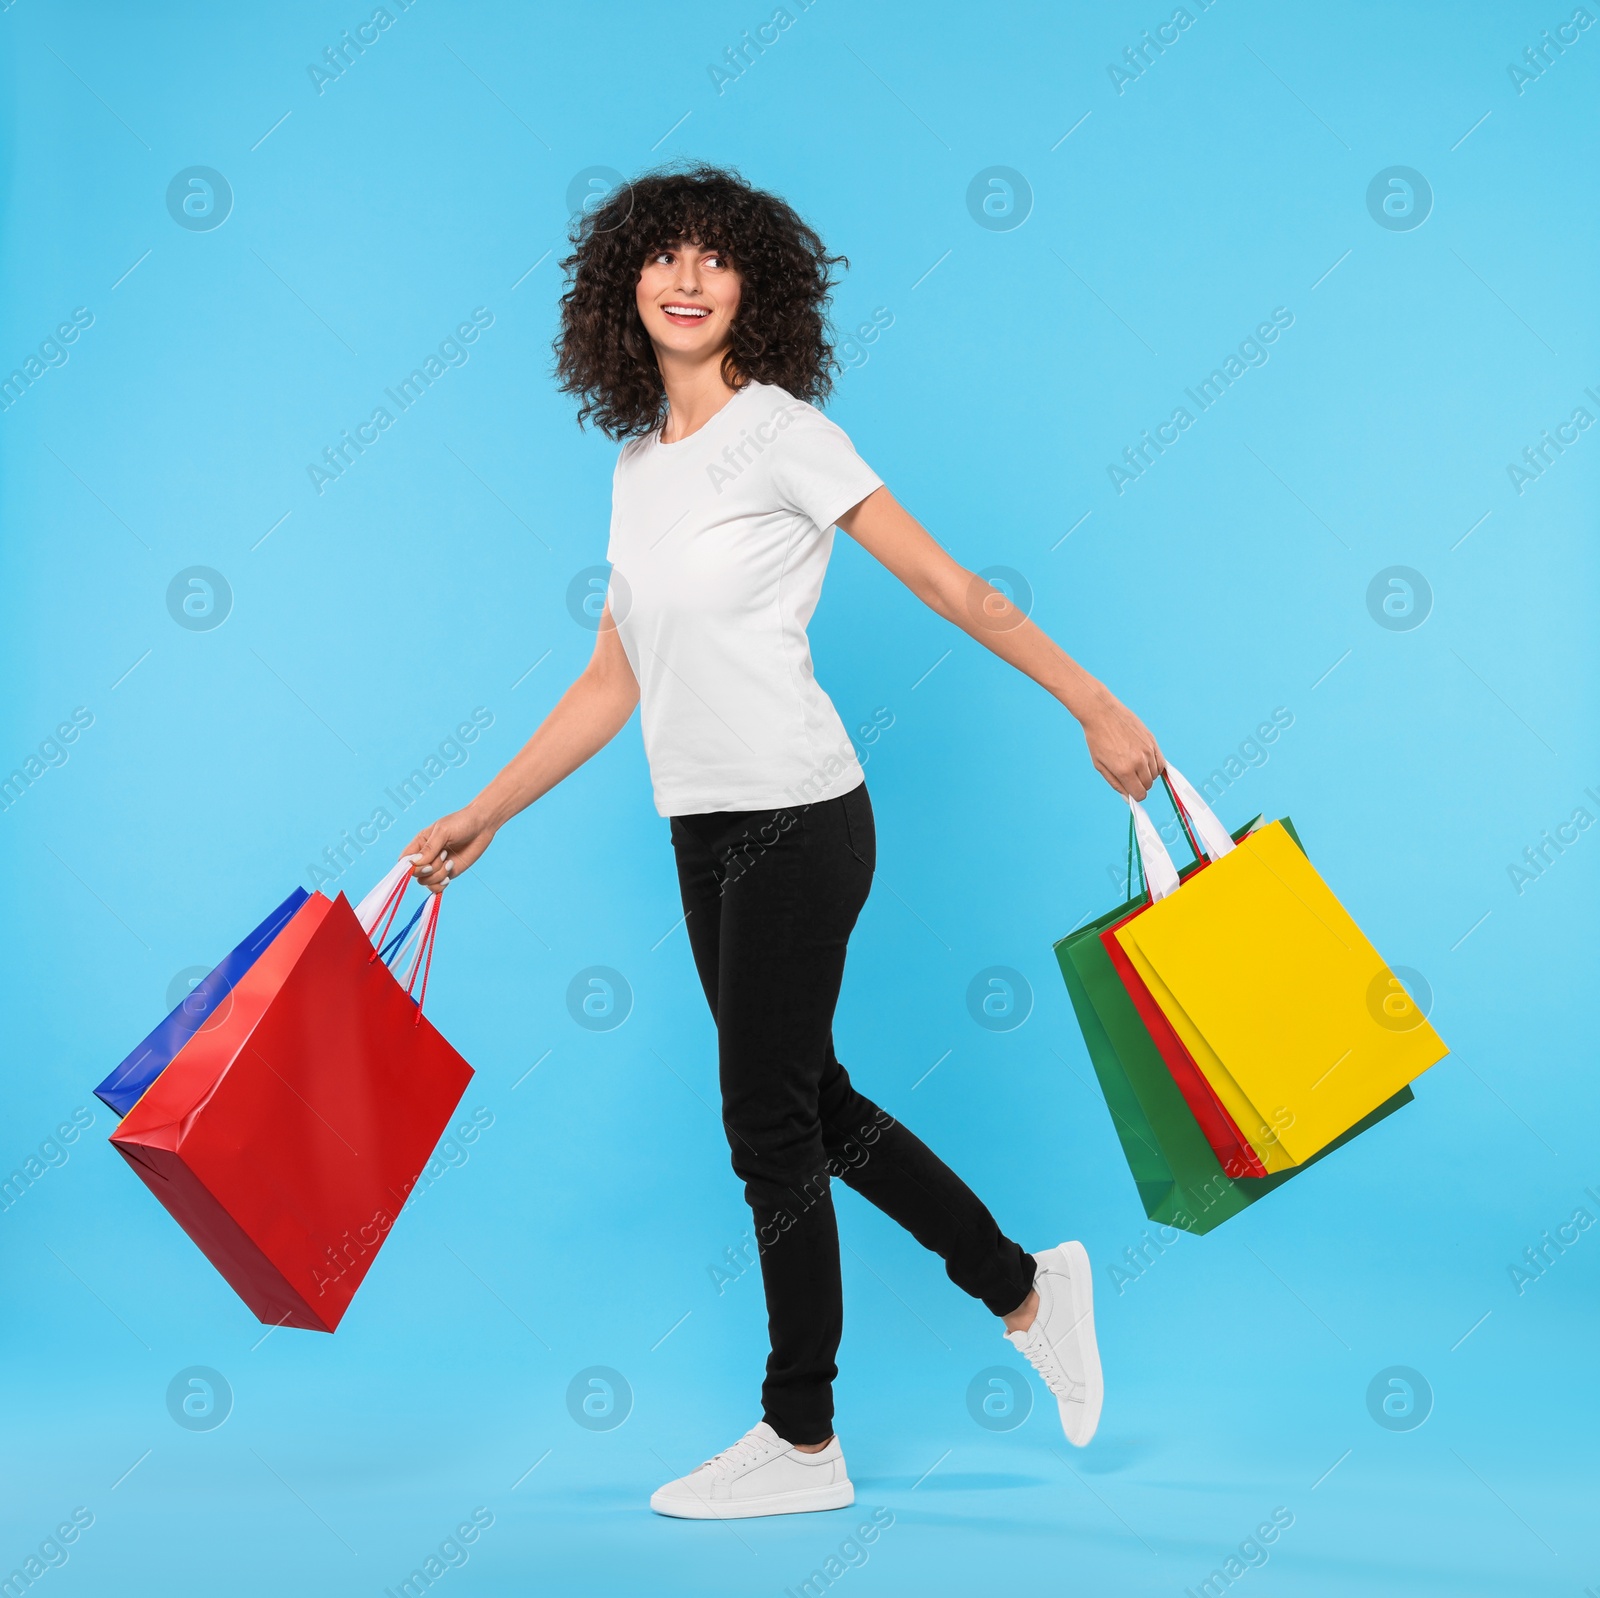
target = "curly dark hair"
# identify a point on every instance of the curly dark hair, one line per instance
(781, 334)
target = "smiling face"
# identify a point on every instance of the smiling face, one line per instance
(687, 299)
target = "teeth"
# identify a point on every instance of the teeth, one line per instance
(685, 310)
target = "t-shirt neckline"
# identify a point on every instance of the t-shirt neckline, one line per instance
(705, 426)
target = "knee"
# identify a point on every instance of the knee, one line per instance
(783, 1158)
(804, 1199)
(854, 1130)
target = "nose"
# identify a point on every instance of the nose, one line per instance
(688, 276)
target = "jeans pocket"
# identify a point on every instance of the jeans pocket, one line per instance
(860, 829)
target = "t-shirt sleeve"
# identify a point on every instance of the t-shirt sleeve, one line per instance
(816, 469)
(611, 532)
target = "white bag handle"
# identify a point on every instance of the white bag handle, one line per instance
(371, 908)
(382, 905)
(1160, 875)
(1214, 837)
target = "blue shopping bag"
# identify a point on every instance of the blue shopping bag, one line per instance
(126, 1085)
(123, 1088)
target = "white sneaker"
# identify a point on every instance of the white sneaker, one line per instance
(1060, 1344)
(760, 1475)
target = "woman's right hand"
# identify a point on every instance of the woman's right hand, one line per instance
(448, 848)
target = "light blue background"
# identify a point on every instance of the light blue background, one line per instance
(1166, 222)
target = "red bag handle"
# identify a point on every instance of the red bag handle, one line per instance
(422, 962)
(424, 955)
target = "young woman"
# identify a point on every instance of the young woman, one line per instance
(694, 329)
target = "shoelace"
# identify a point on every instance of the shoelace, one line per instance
(746, 1451)
(1045, 1360)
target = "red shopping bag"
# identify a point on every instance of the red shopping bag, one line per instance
(285, 1139)
(1233, 1149)
(1228, 1143)
(1242, 1143)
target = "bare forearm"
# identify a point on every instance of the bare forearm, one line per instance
(1121, 746)
(984, 613)
(885, 528)
(585, 719)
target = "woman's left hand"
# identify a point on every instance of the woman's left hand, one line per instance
(1123, 749)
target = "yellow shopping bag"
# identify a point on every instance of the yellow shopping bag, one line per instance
(1259, 1134)
(1283, 1003)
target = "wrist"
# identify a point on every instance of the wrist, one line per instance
(1092, 703)
(482, 817)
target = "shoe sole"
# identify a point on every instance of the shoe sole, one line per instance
(838, 1496)
(1080, 1284)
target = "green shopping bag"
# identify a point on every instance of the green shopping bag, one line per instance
(1180, 1180)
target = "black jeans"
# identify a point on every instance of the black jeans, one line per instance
(771, 897)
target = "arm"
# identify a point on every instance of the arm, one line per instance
(585, 719)
(1123, 751)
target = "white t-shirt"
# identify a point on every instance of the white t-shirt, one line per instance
(719, 544)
